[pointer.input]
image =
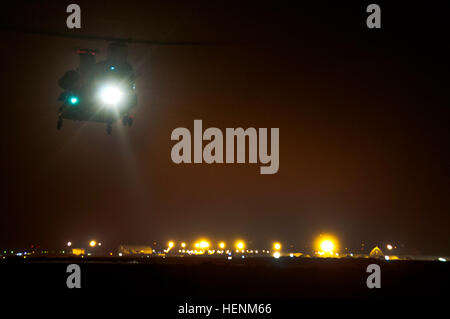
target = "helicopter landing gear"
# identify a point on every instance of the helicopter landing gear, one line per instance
(109, 128)
(59, 123)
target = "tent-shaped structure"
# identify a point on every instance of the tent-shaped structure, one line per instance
(376, 253)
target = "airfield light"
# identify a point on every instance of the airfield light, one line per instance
(221, 245)
(170, 244)
(92, 243)
(204, 244)
(183, 245)
(111, 95)
(69, 243)
(277, 246)
(326, 245)
(442, 259)
(389, 246)
(276, 254)
(240, 244)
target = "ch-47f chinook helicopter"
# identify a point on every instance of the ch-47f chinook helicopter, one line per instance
(103, 91)
(99, 92)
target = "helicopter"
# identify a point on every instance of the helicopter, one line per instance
(104, 91)
(101, 92)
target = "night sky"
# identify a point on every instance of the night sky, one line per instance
(363, 117)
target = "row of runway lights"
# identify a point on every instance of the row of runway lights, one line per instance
(326, 247)
(202, 247)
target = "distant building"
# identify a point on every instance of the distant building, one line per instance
(78, 251)
(135, 250)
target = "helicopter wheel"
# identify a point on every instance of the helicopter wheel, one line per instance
(109, 128)
(59, 123)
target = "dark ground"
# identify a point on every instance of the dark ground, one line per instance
(294, 288)
(203, 278)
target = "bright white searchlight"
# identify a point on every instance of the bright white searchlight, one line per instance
(111, 95)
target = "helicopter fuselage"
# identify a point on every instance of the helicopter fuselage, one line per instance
(98, 92)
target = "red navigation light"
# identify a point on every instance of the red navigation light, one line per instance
(86, 51)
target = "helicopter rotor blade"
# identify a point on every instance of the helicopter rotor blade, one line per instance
(103, 38)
